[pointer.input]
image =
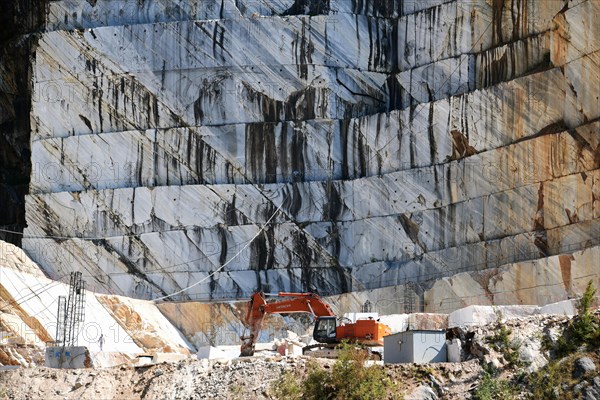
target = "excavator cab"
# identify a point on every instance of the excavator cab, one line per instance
(325, 330)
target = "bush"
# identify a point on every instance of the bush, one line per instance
(494, 389)
(583, 329)
(349, 379)
(509, 348)
(287, 387)
(547, 383)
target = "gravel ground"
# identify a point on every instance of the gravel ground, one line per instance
(197, 379)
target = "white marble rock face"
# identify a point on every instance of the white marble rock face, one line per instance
(401, 141)
(428, 134)
(75, 14)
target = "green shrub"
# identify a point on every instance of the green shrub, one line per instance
(348, 379)
(494, 389)
(547, 383)
(583, 329)
(509, 348)
(352, 380)
(317, 384)
(287, 387)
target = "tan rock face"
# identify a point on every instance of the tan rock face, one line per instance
(204, 324)
(145, 324)
(221, 323)
(452, 293)
(34, 332)
(130, 319)
(542, 281)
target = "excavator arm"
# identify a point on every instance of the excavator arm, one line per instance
(295, 303)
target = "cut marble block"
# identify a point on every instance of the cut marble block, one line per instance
(81, 14)
(427, 134)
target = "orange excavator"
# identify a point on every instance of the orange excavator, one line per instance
(329, 330)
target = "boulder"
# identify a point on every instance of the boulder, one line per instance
(423, 392)
(593, 392)
(530, 352)
(565, 307)
(210, 353)
(453, 348)
(484, 315)
(583, 366)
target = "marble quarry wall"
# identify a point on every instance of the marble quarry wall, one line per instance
(389, 143)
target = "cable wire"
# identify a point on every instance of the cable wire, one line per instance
(262, 228)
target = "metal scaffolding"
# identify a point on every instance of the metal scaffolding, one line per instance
(367, 307)
(411, 300)
(60, 319)
(71, 312)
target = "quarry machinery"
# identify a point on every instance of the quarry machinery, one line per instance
(329, 330)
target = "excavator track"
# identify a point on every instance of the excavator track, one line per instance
(332, 350)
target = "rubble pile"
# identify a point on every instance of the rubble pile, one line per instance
(189, 379)
(527, 334)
